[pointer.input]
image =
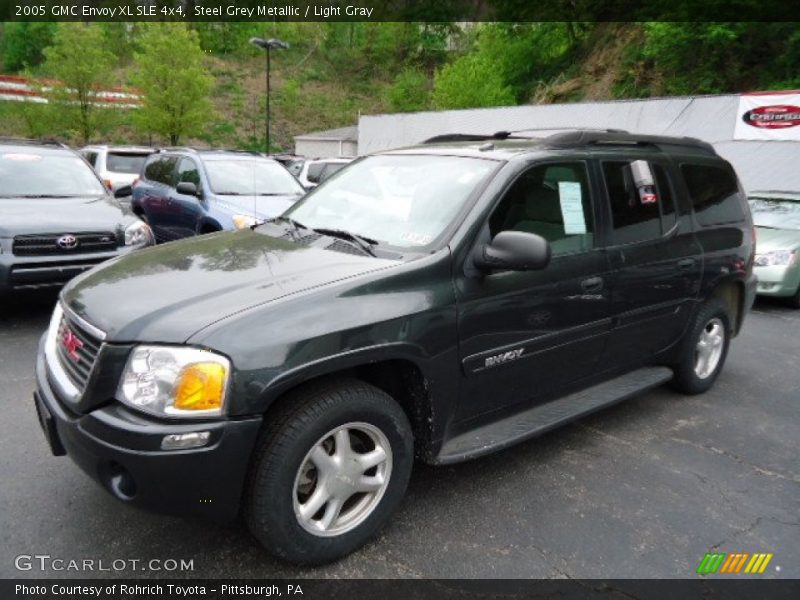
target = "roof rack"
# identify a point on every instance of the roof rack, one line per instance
(584, 137)
(191, 149)
(571, 138)
(502, 135)
(32, 142)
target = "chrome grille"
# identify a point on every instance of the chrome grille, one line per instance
(46, 244)
(77, 351)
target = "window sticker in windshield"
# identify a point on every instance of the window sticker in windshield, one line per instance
(569, 193)
(23, 157)
(418, 239)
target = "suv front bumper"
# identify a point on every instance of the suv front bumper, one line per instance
(19, 273)
(121, 450)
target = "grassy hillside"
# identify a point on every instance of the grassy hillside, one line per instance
(336, 71)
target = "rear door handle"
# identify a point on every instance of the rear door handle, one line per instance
(593, 284)
(686, 264)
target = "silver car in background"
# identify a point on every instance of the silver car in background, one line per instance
(117, 166)
(776, 216)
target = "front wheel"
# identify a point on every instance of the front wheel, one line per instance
(794, 301)
(705, 349)
(328, 471)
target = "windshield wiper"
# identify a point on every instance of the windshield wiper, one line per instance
(296, 225)
(231, 193)
(360, 241)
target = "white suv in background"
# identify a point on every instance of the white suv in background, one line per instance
(313, 172)
(117, 166)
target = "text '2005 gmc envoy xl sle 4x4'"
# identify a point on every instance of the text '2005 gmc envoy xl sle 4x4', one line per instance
(438, 302)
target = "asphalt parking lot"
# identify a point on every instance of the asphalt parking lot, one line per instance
(640, 490)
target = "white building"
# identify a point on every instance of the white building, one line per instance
(331, 143)
(762, 164)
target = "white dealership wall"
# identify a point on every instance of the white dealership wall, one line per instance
(762, 165)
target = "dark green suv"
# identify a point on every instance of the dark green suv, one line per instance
(439, 302)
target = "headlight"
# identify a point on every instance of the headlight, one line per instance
(244, 221)
(776, 258)
(175, 381)
(138, 233)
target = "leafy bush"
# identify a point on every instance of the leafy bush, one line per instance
(473, 80)
(22, 44)
(409, 92)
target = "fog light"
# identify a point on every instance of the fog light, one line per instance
(181, 441)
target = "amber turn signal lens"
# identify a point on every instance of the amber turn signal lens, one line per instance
(200, 387)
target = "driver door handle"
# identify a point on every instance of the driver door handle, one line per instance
(593, 284)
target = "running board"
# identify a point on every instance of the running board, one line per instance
(540, 419)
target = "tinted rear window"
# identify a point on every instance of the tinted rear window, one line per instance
(714, 193)
(118, 162)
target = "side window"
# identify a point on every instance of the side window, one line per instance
(187, 171)
(714, 193)
(91, 157)
(315, 172)
(552, 201)
(638, 214)
(160, 169)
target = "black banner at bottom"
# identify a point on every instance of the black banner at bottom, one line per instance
(391, 589)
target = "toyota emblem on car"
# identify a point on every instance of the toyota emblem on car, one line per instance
(67, 241)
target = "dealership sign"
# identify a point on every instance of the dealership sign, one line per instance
(768, 116)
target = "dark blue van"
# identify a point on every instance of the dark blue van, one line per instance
(185, 192)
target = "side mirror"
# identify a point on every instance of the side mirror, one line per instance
(187, 188)
(123, 191)
(513, 251)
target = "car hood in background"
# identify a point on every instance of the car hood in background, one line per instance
(262, 207)
(768, 239)
(19, 216)
(169, 292)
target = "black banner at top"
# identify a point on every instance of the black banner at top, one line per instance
(399, 10)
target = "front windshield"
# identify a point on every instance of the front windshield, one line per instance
(251, 177)
(402, 200)
(777, 213)
(38, 175)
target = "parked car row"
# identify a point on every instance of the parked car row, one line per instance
(62, 211)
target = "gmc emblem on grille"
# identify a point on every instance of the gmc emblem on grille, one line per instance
(72, 344)
(67, 241)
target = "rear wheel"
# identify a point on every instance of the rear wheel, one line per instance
(704, 350)
(328, 471)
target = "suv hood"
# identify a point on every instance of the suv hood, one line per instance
(264, 207)
(169, 292)
(19, 216)
(768, 239)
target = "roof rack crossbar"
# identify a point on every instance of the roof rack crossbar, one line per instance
(620, 138)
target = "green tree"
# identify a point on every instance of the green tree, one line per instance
(471, 81)
(174, 84)
(80, 63)
(21, 43)
(409, 91)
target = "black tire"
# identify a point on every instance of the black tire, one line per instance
(794, 301)
(686, 378)
(306, 416)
